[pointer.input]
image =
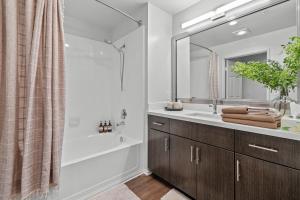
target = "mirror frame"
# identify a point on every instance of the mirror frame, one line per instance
(199, 30)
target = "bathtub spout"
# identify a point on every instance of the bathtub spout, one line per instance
(122, 123)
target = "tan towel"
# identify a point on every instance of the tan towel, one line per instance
(235, 110)
(272, 125)
(246, 109)
(261, 117)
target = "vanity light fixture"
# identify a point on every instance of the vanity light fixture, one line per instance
(241, 32)
(232, 5)
(217, 14)
(199, 19)
(67, 45)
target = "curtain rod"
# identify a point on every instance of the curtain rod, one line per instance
(139, 22)
(198, 45)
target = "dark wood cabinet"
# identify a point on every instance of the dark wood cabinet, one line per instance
(158, 153)
(261, 180)
(215, 173)
(182, 166)
(214, 163)
(277, 150)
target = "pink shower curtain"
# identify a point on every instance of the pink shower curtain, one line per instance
(31, 97)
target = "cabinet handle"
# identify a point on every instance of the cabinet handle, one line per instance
(238, 170)
(192, 154)
(157, 123)
(263, 148)
(197, 156)
(166, 144)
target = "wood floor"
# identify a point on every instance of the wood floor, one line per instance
(148, 187)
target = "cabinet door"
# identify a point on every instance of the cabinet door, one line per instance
(182, 164)
(158, 153)
(215, 173)
(260, 180)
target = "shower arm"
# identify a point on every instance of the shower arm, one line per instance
(139, 22)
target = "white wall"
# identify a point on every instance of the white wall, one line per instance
(127, 26)
(88, 85)
(199, 78)
(159, 54)
(82, 28)
(270, 42)
(183, 68)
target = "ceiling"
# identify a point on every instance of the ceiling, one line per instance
(271, 19)
(95, 13)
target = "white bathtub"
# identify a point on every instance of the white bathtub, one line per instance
(95, 163)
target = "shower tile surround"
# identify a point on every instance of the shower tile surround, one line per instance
(93, 84)
(89, 71)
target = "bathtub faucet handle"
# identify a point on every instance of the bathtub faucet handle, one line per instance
(122, 123)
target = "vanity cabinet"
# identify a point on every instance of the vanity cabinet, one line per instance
(158, 153)
(261, 180)
(214, 163)
(192, 160)
(215, 173)
(182, 164)
(193, 169)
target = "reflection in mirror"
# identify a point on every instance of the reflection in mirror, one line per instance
(241, 88)
(205, 59)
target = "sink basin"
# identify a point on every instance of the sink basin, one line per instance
(205, 115)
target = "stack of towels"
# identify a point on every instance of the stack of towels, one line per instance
(252, 116)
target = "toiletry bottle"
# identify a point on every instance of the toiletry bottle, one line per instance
(109, 128)
(101, 128)
(105, 127)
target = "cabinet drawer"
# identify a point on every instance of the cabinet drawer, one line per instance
(159, 123)
(212, 135)
(269, 148)
(181, 128)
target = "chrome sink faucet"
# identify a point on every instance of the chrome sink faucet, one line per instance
(214, 105)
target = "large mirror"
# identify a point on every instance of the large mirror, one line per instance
(204, 59)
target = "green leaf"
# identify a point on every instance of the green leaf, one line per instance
(272, 74)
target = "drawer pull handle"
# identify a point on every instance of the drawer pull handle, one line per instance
(166, 144)
(263, 148)
(192, 154)
(238, 174)
(197, 156)
(157, 123)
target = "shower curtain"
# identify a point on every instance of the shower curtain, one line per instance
(213, 76)
(31, 97)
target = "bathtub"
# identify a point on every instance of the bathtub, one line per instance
(94, 163)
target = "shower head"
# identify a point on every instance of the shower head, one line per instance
(109, 42)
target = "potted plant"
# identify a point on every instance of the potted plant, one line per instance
(274, 75)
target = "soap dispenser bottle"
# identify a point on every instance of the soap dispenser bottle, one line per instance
(105, 127)
(101, 128)
(109, 127)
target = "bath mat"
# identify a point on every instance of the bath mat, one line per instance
(120, 192)
(174, 195)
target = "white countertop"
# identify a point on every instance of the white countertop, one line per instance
(184, 115)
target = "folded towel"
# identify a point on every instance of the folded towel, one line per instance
(259, 116)
(246, 110)
(235, 110)
(272, 125)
